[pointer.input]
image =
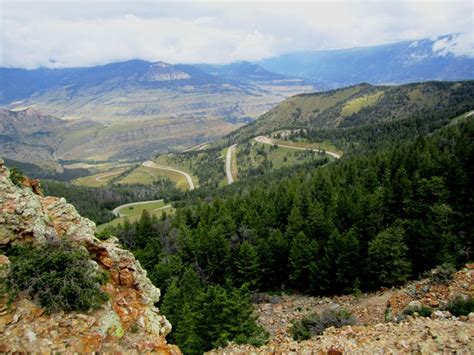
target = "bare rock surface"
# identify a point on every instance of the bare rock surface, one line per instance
(129, 322)
(442, 333)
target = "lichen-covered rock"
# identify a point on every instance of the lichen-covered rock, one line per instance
(128, 322)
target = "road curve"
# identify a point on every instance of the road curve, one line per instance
(116, 210)
(150, 164)
(99, 178)
(266, 140)
(228, 164)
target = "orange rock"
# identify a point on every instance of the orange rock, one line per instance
(88, 343)
(34, 184)
(106, 261)
(126, 278)
(334, 351)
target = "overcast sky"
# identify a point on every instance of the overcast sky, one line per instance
(63, 33)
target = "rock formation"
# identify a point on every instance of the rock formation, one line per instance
(374, 333)
(128, 322)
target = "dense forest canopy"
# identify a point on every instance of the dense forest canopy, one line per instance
(371, 220)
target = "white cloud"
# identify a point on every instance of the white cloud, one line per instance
(458, 45)
(77, 33)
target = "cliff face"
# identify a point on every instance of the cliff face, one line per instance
(129, 321)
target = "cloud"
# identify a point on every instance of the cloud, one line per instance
(457, 45)
(78, 33)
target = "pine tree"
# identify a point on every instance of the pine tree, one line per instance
(295, 223)
(302, 254)
(248, 267)
(387, 263)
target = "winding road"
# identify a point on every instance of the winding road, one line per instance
(228, 164)
(116, 210)
(266, 140)
(100, 178)
(150, 164)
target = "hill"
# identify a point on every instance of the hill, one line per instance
(396, 63)
(361, 105)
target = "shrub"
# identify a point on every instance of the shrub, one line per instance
(315, 324)
(16, 176)
(442, 274)
(460, 306)
(422, 311)
(57, 276)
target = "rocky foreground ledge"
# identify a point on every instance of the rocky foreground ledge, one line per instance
(378, 331)
(129, 322)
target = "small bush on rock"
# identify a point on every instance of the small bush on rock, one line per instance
(315, 324)
(16, 176)
(422, 311)
(460, 306)
(442, 274)
(58, 276)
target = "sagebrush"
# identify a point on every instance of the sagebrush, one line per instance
(58, 276)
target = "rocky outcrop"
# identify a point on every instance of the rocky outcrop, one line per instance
(377, 330)
(128, 322)
(414, 335)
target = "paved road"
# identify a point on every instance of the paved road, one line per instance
(150, 164)
(116, 210)
(266, 140)
(100, 178)
(228, 164)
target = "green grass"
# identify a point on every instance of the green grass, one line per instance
(183, 165)
(302, 143)
(133, 213)
(357, 104)
(100, 179)
(146, 176)
(264, 158)
(463, 117)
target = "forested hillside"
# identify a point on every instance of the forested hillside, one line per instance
(371, 220)
(361, 105)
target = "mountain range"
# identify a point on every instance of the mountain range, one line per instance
(437, 58)
(134, 109)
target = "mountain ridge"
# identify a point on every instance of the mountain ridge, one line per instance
(393, 63)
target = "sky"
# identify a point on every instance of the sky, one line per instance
(67, 33)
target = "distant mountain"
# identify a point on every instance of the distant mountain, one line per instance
(242, 71)
(132, 109)
(397, 63)
(22, 83)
